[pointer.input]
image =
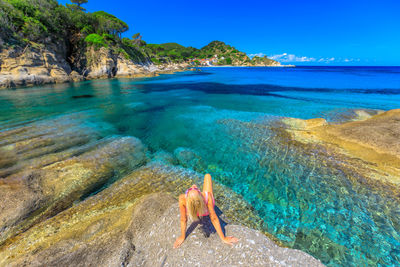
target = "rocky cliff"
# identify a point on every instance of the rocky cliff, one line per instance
(49, 64)
(33, 65)
(42, 41)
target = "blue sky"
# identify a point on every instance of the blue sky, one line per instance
(312, 32)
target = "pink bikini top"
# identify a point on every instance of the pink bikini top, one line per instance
(205, 200)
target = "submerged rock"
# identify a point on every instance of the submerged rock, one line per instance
(45, 142)
(164, 157)
(118, 227)
(309, 193)
(33, 195)
(189, 158)
(8, 157)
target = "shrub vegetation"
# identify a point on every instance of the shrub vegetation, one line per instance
(42, 22)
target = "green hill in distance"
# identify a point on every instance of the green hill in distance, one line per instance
(216, 53)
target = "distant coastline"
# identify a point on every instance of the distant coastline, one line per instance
(230, 66)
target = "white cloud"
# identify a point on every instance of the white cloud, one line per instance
(327, 59)
(257, 55)
(285, 57)
(351, 60)
(291, 58)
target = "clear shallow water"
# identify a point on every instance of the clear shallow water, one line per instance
(222, 114)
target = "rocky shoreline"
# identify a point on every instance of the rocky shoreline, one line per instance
(74, 197)
(369, 142)
(36, 66)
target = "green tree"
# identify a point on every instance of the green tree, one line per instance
(33, 28)
(107, 23)
(96, 40)
(78, 3)
(137, 39)
(136, 36)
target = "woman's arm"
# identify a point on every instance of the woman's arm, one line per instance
(182, 209)
(217, 225)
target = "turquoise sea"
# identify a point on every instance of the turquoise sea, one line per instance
(224, 115)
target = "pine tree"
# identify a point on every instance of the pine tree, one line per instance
(79, 3)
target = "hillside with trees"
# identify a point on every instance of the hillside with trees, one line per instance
(38, 23)
(48, 39)
(224, 54)
(169, 52)
(215, 53)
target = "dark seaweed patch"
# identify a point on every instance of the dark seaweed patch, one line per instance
(82, 96)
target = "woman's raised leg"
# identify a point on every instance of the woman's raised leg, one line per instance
(207, 185)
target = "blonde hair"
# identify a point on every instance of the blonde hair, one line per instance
(195, 205)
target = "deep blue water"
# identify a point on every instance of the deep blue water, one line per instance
(221, 114)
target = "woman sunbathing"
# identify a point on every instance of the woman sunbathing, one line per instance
(197, 204)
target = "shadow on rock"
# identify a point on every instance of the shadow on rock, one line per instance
(205, 225)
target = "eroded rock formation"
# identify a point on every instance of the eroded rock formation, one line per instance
(118, 227)
(49, 166)
(38, 65)
(375, 139)
(33, 66)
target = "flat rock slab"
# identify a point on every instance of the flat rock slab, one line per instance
(114, 229)
(203, 247)
(371, 144)
(381, 132)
